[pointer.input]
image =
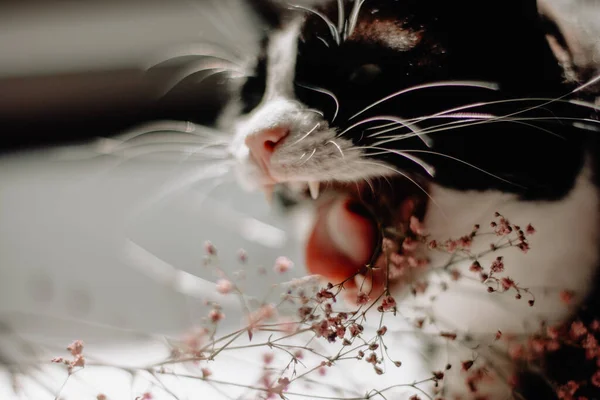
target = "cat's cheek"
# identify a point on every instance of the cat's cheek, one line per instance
(342, 241)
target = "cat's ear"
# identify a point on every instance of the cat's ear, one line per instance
(572, 34)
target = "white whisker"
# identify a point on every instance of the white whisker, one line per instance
(213, 67)
(483, 85)
(341, 16)
(454, 159)
(417, 132)
(327, 92)
(180, 127)
(323, 40)
(587, 84)
(338, 147)
(305, 135)
(462, 124)
(309, 157)
(195, 50)
(334, 32)
(430, 169)
(353, 19)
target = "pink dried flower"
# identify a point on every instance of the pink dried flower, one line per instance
(416, 226)
(455, 274)
(475, 267)
(224, 286)
(268, 358)
(210, 248)
(57, 360)
(215, 315)
(79, 361)
(409, 244)
(388, 303)
(596, 379)
(578, 329)
(530, 230)
(145, 396)
(507, 283)
(362, 298)
(283, 264)
(282, 384)
(101, 397)
(355, 329)
(206, 373)
(76, 347)
(433, 244)
(497, 265)
(566, 296)
(448, 335)
(381, 331)
(242, 255)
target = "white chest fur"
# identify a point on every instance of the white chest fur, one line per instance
(563, 256)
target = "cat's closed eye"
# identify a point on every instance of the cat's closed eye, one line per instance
(365, 74)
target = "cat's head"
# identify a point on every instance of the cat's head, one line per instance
(369, 105)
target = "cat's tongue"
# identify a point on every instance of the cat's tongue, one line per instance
(342, 240)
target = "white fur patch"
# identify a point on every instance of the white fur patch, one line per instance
(563, 255)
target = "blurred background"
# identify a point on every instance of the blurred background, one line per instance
(103, 245)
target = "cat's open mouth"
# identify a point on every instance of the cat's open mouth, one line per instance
(351, 222)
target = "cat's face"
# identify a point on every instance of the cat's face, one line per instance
(372, 107)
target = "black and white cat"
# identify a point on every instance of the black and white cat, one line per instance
(452, 111)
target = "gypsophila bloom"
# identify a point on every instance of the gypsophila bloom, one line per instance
(530, 230)
(205, 372)
(76, 347)
(242, 255)
(416, 226)
(362, 298)
(282, 264)
(388, 303)
(215, 315)
(224, 286)
(145, 396)
(596, 379)
(210, 248)
(578, 329)
(475, 267)
(566, 296)
(101, 397)
(497, 265)
(507, 283)
(409, 244)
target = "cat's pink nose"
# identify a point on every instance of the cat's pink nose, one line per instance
(262, 144)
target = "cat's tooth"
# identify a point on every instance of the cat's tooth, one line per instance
(314, 189)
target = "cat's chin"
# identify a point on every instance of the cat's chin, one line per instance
(345, 241)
